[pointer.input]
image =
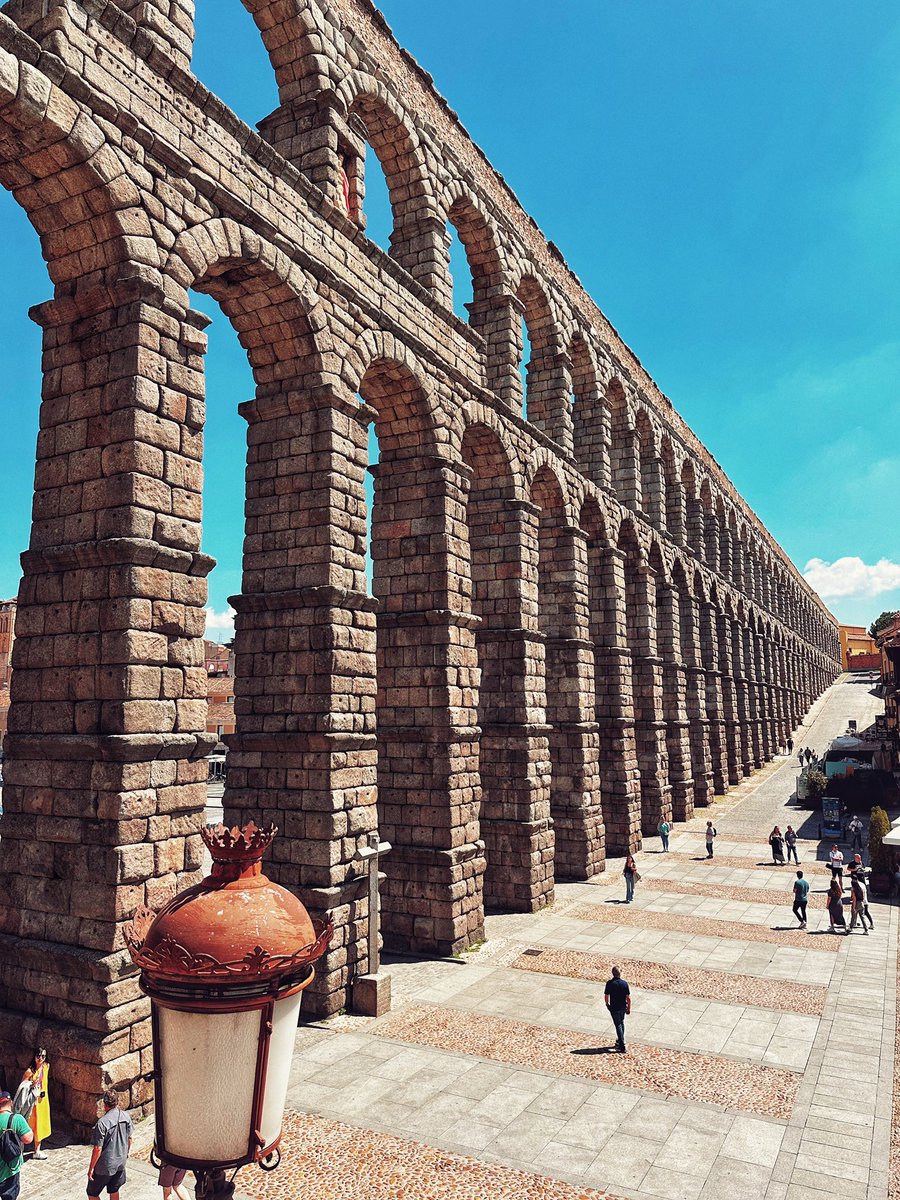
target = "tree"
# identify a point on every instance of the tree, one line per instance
(881, 622)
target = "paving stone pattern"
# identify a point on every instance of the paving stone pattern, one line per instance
(575, 625)
(684, 981)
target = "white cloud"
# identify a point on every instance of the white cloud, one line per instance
(220, 625)
(850, 576)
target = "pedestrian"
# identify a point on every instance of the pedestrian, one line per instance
(38, 1075)
(12, 1146)
(710, 838)
(897, 879)
(664, 828)
(617, 995)
(632, 877)
(111, 1142)
(776, 841)
(836, 859)
(809, 756)
(855, 829)
(801, 896)
(835, 902)
(858, 901)
(790, 745)
(790, 840)
(800, 757)
(170, 1180)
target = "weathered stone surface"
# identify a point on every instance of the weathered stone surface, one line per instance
(576, 626)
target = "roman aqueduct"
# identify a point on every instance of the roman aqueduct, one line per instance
(575, 624)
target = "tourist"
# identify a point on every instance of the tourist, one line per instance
(859, 902)
(836, 859)
(632, 877)
(38, 1075)
(790, 840)
(855, 829)
(111, 1142)
(809, 755)
(18, 1138)
(171, 1180)
(710, 838)
(835, 902)
(800, 757)
(776, 841)
(801, 896)
(790, 745)
(617, 995)
(664, 828)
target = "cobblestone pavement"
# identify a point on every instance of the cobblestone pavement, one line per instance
(467, 1089)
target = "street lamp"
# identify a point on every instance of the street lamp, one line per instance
(225, 964)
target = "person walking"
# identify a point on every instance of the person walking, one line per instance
(617, 995)
(38, 1075)
(790, 840)
(632, 877)
(664, 827)
(809, 755)
(857, 901)
(800, 758)
(171, 1180)
(710, 838)
(18, 1137)
(836, 859)
(776, 841)
(111, 1145)
(790, 745)
(855, 829)
(801, 897)
(835, 903)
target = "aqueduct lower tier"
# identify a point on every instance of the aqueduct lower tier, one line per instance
(575, 625)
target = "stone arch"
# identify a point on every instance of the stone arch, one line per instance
(301, 57)
(481, 241)
(388, 376)
(673, 495)
(652, 488)
(270, 303)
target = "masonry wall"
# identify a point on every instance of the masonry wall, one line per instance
(576, 626)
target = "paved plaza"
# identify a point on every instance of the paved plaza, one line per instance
(760, 1060)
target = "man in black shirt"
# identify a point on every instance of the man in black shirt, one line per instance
(618, 1000)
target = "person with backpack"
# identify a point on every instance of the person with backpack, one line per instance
(15, 1135)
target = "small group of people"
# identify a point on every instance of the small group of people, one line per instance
(804, 756)
(859, 893)
(778, 841)
(25, 1123)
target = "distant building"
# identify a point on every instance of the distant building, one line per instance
(220, 690)
(7, 637)
(859, 652)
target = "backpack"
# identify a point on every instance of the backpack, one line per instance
(11, 1144)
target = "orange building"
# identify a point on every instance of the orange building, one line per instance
(889, 650)
(859, 652)
(220, 689)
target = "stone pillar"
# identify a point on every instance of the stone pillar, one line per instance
(653, 491)
(105, 774)
(626, 472)
(646, 673)
(674, 701)
(497, 318)
(514, 747)
(675, 512)
(427, 674)
(619, 775)
(732, 731)
(695, 678)
(574, 738)
(754, 714)
(741, 691)
(547, 389)
(304, 752)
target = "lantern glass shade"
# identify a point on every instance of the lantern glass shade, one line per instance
(281, 1051)
(207, 1069)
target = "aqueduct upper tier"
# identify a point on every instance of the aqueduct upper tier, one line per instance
(575, 625)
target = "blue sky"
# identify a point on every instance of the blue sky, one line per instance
(723, 178)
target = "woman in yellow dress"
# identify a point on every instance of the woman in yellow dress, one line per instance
(38, 1074)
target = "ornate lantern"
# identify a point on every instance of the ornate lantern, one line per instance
(225, 964)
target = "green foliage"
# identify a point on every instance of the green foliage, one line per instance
(817, 783)
(880, 857)
(881, 622)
